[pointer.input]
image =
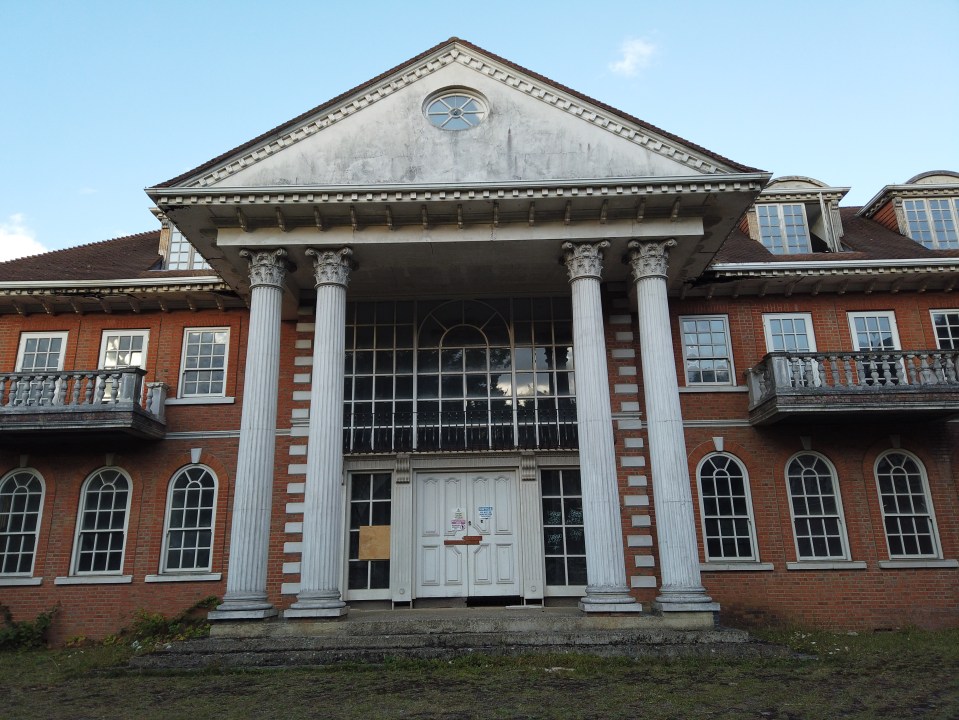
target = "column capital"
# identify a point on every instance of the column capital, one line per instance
(584, 260)
(332, 267)
(267, 267)
(649, 258)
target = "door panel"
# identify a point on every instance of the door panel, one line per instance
(451, 506)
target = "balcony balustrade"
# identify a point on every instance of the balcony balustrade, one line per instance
(916, 383)
(458, 431)
(82, 401)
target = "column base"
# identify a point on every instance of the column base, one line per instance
(609, 599)
(243, 606)
(317, 604)
(316, 612)
(686, 599)
(217, 615)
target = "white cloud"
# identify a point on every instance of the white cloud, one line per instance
(17, 240)
(635, 54)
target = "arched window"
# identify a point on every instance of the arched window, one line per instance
(102, 523)
(21, 502)
(728, 532)
(816, 508)
(188, 538)
(906, 506)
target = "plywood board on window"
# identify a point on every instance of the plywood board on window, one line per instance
(374, 542)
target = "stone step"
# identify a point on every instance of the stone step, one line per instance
(374, 636)
(264, 656)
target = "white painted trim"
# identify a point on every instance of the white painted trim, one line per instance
(185, 577)
(804, 316)
(932, 319)
(729, 351)
(81, 504)
(774, 265)
(200, 400)
(93, 580)
(853, 315)
(844, 538)
(121, 332)
(164, 572)
(714, 389)
(183, 368)
(707, 423)
(836, 565)
(19, 581)
(127, 282)
(64, 335)
(924, 477)
(750, 517)
(745, 566)
(564, 590)
(36, 534)
(917, 564)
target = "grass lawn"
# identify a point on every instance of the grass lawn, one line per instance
(908, 674)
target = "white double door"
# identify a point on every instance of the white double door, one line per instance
(466, 537)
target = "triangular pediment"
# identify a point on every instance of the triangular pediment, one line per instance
(534, 130)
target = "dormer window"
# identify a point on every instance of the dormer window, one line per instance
(182, 255)
(932, 222)
(783, 229)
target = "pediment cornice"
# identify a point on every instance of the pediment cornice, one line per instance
(540, 89)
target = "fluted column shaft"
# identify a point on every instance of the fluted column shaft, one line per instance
(606, 589)
(681, 588)
(252, 499)
(320, 569)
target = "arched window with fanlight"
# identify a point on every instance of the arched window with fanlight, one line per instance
(459, 375)
(190, 517)
(102, 523)
(816, 508)
(21, 505)
(907, 514)
(726, 507)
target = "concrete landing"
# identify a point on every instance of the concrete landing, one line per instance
(374, 636)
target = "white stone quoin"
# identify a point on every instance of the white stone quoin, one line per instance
(606, 589)
(245, 596)
(681, 589)
(320, 570)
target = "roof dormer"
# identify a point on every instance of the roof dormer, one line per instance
(177, 252)
(925, 208)
(796, 215)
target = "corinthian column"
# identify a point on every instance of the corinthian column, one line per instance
(320, 569)
(681, 588)
(245, 596)
(606, 589)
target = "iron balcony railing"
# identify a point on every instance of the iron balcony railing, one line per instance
(465, 430)
(864, 372)
(81, 390)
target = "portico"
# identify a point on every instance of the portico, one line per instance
(460, 429)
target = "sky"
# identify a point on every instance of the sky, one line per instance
(101, 99)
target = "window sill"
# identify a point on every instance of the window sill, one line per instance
(93, 580)
(918, 563)
(201, 401)
(827, 565)
(714, 388)
(747, 566)
(15, 581)
(184, 577)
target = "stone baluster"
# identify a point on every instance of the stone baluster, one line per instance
(321, 565)
(606, 589)
(246, 596)
(681, 589)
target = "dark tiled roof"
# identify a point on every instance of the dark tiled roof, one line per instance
(132, 256)
(359, 88)
(865, 240)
